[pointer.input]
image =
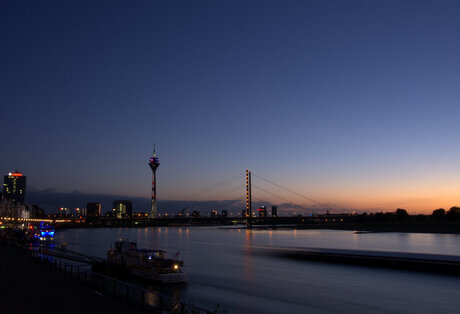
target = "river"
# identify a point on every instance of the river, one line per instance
(223, 268)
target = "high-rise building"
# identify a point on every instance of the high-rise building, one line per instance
(154, 163)
(14, 186)
(93, 209)
(122, 208)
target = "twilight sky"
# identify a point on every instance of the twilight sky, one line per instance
(355, 104)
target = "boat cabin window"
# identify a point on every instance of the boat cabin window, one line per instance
(151, 255)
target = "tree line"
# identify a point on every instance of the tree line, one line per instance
(401, 215)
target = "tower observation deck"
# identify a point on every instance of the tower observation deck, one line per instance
(154, 163)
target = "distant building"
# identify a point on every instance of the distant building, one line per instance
(93, 209)
(224, 213)
(262, 211)
(14, 186)
(80, 211)
(64, 212)
(274, 211)
(122, 208)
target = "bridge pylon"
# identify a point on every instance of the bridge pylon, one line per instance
(248, 200)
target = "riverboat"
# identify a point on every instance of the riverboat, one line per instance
(146, 263)
(43, 234)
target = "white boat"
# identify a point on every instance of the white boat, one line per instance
(146, 263)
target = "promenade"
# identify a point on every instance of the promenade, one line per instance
(30, 287)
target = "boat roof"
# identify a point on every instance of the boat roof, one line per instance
(150, 250)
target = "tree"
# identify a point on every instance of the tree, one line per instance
(454, 212)
(402, 213)
(438, 213)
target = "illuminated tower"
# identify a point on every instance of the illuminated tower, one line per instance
(154, 163)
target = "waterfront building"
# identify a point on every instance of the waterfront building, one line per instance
(93, 209)
(274, 211)
(122, 208)
(14, 186)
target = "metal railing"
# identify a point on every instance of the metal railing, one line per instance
(145, 298)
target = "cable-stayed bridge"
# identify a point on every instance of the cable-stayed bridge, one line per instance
(263, 192)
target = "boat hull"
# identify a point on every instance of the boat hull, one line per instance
(165, 278)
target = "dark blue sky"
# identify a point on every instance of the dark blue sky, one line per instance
(353, 103)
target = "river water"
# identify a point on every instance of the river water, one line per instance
(223, 268)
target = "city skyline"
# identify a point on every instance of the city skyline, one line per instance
(352, 104)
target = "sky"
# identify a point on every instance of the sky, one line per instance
(352, 104)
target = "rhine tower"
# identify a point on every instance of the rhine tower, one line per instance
(154, 163)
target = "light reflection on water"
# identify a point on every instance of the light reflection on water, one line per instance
(222, 268)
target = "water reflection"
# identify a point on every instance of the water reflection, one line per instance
(248, 263)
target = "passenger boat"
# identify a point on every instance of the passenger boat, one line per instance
(146, 263)
(44, 234)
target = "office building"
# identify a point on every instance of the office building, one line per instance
(122, 208)
(14, 186)
(93, 209)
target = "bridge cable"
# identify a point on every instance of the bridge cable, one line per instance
(212, 187)
(231, 190)
(289, 190)
(286, 200)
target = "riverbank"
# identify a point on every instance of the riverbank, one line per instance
(31, 287)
